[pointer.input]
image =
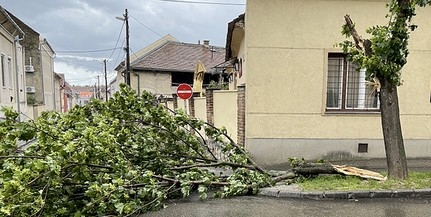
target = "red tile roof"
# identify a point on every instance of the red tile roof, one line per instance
(178, 56)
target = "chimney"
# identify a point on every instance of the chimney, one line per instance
(206, 43)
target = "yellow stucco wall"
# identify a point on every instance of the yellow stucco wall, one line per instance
(6, 50)
(13, 69)
(200, 108)
(287, 44)
(225, 111)
(154, 82)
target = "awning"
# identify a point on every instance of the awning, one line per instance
(198, 77)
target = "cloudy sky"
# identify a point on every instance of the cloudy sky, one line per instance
(85, 32)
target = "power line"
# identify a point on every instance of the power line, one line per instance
(134, 54)
(118, 57)
(201, 2)
(78, 63)
(145, 26)
(87, 51)
(118, 39)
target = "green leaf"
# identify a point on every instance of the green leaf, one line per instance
(119, 207)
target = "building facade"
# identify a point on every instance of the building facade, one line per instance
(304, 99)
(12, 85)
(39, 68)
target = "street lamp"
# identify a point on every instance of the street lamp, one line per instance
(127, 48)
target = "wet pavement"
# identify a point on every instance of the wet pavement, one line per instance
(259, 206)
(283, 200)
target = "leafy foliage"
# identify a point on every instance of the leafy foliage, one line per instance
(121, 157)
(388, 43)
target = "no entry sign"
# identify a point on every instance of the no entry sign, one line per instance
(184, 91)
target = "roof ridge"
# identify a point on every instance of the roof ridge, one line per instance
(152, 51)
(136, 61)
(193, 44)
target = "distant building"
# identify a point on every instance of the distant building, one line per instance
(162, 66)
(84, 94)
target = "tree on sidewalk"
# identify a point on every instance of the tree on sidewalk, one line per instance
(383, 56)
(123, 157)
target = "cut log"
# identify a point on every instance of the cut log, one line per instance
(353, 171)
(314, 169)
(309, 169)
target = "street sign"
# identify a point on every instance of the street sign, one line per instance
(184, 91)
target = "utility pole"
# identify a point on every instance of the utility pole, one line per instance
(95, 90)
(98, 87)
(106, 82)
(125, 18)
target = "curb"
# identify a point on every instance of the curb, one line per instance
(293, 191)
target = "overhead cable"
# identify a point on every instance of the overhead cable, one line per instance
(86, 51)
(202, 2)
(145, 26)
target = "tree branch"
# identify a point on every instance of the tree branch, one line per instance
(361, 44)
(92, 165)
(19, 156)
(215, 165)
(289, 175)
(260, 169)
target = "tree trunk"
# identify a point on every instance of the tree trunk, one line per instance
(314, 169)
(392, 134)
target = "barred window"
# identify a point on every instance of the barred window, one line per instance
(346, 88)
(9, 70)
(3, 75)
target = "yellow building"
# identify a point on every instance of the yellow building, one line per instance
(12, 75)
(301, 98)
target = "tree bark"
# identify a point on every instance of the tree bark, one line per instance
(314, 169)
(389, 108)
(392, 133)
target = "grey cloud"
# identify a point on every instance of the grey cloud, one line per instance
(91, 24)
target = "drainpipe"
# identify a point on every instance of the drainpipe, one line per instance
(16, 42)
(41, 73)
(139, 83)
(41, 68)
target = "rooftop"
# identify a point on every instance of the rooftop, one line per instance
(178, 56)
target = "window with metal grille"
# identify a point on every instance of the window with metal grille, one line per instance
(346, 88)
(3, 76)
(9, 70)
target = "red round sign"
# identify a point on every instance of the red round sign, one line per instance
(184, 91)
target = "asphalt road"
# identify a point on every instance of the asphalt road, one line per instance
(254, 206)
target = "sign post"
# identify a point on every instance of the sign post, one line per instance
(184, 92)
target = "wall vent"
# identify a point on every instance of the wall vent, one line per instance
(29, 68)
(31, 89)
(363, 148)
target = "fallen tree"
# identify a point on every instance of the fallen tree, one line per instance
(123, 157)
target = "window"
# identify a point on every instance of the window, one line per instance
(3, 76)
(346, 88)
(9, 70)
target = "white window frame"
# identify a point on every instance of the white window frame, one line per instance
(359, 90)
(9, 70)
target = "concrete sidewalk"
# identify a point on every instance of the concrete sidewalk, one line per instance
(294, 191)
(282, 190)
